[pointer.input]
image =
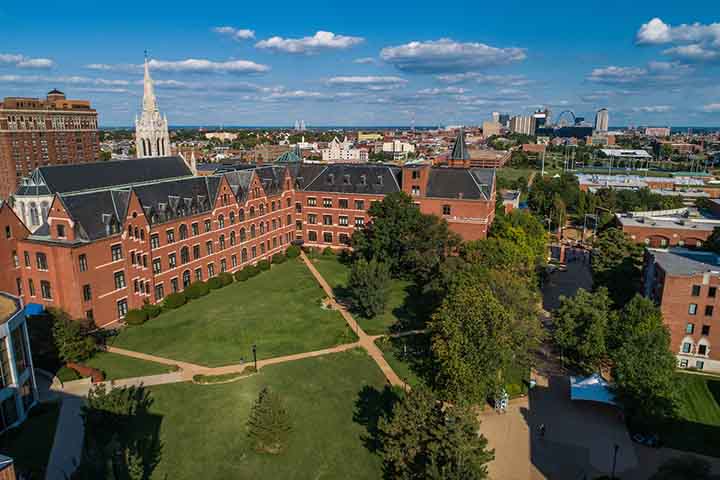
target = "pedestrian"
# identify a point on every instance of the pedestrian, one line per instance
(541, 430)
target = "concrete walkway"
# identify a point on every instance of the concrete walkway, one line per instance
(69, 434)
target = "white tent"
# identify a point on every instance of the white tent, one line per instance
(593, 388)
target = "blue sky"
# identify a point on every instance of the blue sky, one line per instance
(371, 62)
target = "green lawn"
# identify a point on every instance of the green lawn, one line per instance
(409, 356)
(29, 445)
(203, 428)
(117, 366)
(279, 310)
(402, 309)
(698, 427)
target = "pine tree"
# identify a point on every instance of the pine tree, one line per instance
(269, 423)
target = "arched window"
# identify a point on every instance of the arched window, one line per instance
(186, 278)
(137, 233)
(232, 218)
(34, 216)
(44, 208)
(241, 214)
(252, 212)
(23, 212)
(222, 242)
(232, 238)
(130, 231)
(243, 236)
(262, 228)
(243, 255)
(262, 209)
(221, 221)
(252, 231)
(184, 255)
(183, 232)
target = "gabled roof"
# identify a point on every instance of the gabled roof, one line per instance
(164, 201)
(472, 184)
(272, 178)
(239, 181)
(96, 214)
(460, 151)
(291, 156)
(350, 178)
(91, 176)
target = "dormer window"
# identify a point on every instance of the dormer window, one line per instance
(331, 179)
(379, 180)
(346, 179)
(60, 231)
(363, 180)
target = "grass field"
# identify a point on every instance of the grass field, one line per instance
(279, 310)
(29, 445)
(117, 366)
(410, 357)
(324, 396)
(698, 427)
(402, 308)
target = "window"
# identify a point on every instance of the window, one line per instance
(222, 242)
(312, 202)
(232, 218)
(198, 274)
(692, 309)
(262, 248)
(186, 278)
(5, 374)
(183, 231)
(45, 290)
(16, 260)
(174, 285)
(211, 270)
(233, 239)
(683, 363)
(708, 310)
(122, 308)
(26, 255)
(116, 253)
(241, 215)
(262, 209)
(170, 234)
(344, 238)
(157, 266)
(195, 229)
(159, 292)
(298, 207)
(21, 355)
(343, 220)
(702, 349)
(252, 231)
(243, 255)
(196, 252)
(705, 330)
(696, 290)
(359, 204)
(60, 231)
(243, 235)
(233, 261)
(132, 257)
(288, 201)
(82, 262)
(209, 247)
(712, 291)
(252, 212)
(312, 236)
(172, 260)
(686, 347)
(312, 218)
(253, 252)
(208, 225)
(184, 255)
(327, 202)
(223, 265)
(87, 293)
(119, 280)
(690, 328)
(363, 180)
(154, 241)
(31, 287)
(446, 209)
(415, 174)
(221, 221)
(699, 364)
(327, 237)
(327, 219)
(89, 315)
(288, 220)
(415, 191)
(41, 260)
(8, 232)
(136, 286)
(359, 221)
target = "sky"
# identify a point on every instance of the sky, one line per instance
(370, 63)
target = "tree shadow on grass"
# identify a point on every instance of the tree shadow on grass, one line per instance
(414, 351)
(414, 312)
(372, 405)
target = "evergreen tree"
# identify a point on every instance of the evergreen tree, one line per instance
(269, 423)
(72, 343)
(369, 286)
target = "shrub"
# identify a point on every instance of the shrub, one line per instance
(175, 300)
(152, 310)
(242, 275)
(328, 252)
(279, 258)
(85, 371)
(66, 374)
(293, 251)
(225, 278)
(269, 423)
(72, 342)
(136, 317)
(214, 283)
(197, 290)
(252, 270)
(263, 265)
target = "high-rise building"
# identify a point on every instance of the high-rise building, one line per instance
(496, 117)
(151, 130)
(523, 124)
(602, 120)
(36, 132)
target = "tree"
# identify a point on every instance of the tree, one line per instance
(424, 439)
(472, 343)
(581, 326)
(617, 265)
(269, 423)
(713, 241)
(639, 316)
(72, 342)
(369, 286)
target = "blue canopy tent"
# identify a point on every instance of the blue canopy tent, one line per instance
(593, 389)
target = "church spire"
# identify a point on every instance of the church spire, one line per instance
(149, 102)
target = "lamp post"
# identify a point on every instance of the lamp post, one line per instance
(616, 448)
(254, 350)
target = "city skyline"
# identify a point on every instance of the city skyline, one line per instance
(233, 64)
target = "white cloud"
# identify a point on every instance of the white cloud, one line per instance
(443, 91)
(446, 55)
(653, 109)
(366, 61)
(695, 42)
(369, 82)
(320, 41)
(66, 80)
(207, 66)
(654, 32)
(508, 80)
(235, 33)
(614, 74)
(293, 95)
(21, 61)
(711, 108)
(120, 67)
(693, 52)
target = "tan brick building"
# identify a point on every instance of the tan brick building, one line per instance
(36, 132)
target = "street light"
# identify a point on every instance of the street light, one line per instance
(254, 350)
(616, 448)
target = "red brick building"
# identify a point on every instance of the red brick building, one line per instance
(103, 251)
(35, 132)
(685, 283)
(667, 231)
(462, 157)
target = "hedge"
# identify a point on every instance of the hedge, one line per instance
(278, 258)
(175, 300)
(214, 283)
(196, 290)
(136, 317)
(242, 275)
(65, 374)
(225, 278)
(263, 265)
(293, 251)
(152, 310)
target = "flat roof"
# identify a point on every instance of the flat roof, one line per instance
(625, 153)
(8, 308)
(681, 261)
(668, 222)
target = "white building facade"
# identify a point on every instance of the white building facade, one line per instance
(151, 129)
(338, 151)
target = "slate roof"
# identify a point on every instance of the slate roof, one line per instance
(473, 183)
(164, 201)
(291, 156)
(459, 150)
(272, 178)
(96, 214)
(114, 173)
(370, 179)
(684, 262)
(239, 181)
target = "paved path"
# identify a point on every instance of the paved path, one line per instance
(68, 441)
(364, 340)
